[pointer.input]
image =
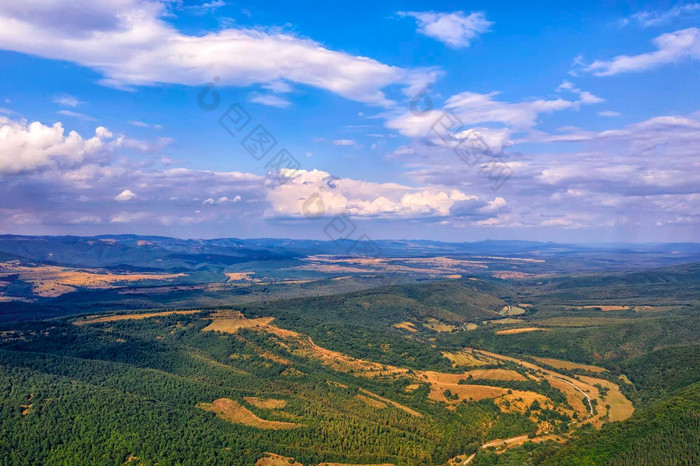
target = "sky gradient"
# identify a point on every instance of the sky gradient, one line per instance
(455, 121)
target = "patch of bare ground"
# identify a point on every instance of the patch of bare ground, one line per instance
(272, 459)
(265, 403)
(411, 387)
(232, 411)
(513, 331)
(115, 318)
(410, 326)
(26, 409)
(292, 372)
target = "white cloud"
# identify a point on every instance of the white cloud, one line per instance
(67, 100)
(270, 100)
(130, 44)
(129, 217)
(280, 87)
(31, 146)
(141, 124)
(343, 142)
(454, 29)
(658, 18)
(78, 115)
(609, 114)
(310, 192)
(471, 108)
(671, 48)
(125, 195)
(585, 97)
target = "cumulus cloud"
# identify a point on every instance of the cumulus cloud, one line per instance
(456, 29)
(30, 146)
(307, 193)
(125, 195)
(670, 48)
(131, 45)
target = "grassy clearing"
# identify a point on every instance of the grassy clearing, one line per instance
(265, 403)
(410, 326)
(582, 321)
(232, 321)
(272, 459)
(403, 408)
(464, 359)
(437, 326)
(231, 411)
(561, 364)
(513, 331)
(371, 401)
(116, 318)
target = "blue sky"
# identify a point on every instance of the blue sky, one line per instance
(580, 121)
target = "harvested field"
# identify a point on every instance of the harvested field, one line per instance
(232, 411)
(143, 315)
(265, 403)
(513, 331)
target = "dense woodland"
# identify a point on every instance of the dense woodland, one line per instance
(114, 391)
